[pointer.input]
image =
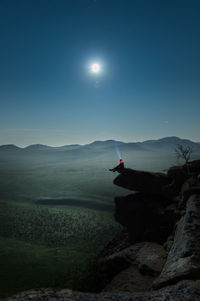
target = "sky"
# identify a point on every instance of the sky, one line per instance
(148, 87)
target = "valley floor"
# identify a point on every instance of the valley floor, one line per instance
(50, 246)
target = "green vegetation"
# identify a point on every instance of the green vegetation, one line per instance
(43, 246)
(182, 212)
(25, 266)
(168, 244)
(54, 226)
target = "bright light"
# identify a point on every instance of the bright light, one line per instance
(95, 68)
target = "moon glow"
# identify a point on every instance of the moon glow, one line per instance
(95, 68)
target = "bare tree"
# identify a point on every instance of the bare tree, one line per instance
(183, 152)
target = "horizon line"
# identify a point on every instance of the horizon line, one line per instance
(73, 144)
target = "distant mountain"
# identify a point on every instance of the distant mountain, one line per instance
(163, 144)
(38, 147)
(166, 144)
(103, 144)
(9, 147)
(169, 143)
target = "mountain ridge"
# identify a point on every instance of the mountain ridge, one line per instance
(168, 139)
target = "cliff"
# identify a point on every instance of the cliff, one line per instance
(157, 255)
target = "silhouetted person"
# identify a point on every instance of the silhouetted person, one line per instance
(119, 167)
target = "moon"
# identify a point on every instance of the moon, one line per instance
(95, 68)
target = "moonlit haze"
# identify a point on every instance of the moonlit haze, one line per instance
(80, 71)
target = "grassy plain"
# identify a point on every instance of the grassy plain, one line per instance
(51, 246)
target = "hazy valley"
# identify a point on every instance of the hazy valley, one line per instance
(57, 207)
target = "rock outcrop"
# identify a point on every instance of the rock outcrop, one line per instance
(154, 219)
(146, 182)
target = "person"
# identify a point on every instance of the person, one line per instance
(119, 167)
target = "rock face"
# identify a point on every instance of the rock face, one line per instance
(164, 212)
(147, 217)
(183, 261)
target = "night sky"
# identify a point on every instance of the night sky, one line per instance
(148, 88)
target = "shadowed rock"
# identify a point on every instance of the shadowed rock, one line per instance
(143, 181)
(145, 216)
(150, 216)
(150, 254)
(125, 282)
(178, 175)
(144, 258)
(118, 243)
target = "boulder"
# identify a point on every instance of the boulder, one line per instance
(183, 261)
(119, 242)
(149, 254)
(134, 268)
(130, 280)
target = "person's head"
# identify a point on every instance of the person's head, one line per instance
(121, 161)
